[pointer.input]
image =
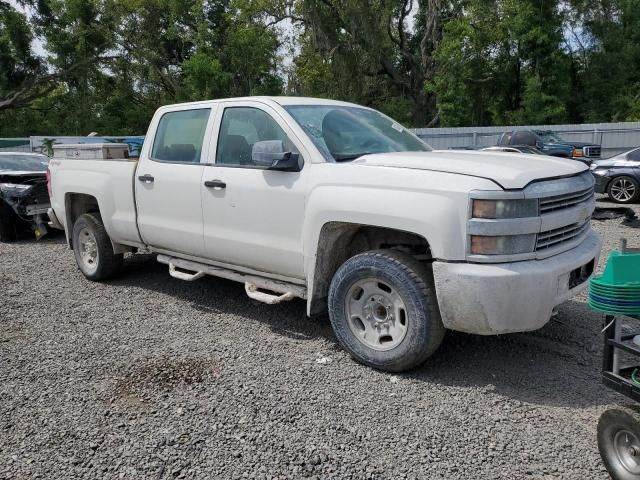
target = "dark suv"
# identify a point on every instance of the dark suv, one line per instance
(551, 144)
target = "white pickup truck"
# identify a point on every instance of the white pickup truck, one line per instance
(339, 205)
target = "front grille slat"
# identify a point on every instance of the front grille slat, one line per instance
(552, 238)
(568, 200)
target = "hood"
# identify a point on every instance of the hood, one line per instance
(582, 144)
(16, 176)
(23, 172)
(508, 170)
(558, 147)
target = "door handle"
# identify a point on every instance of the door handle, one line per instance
(218, 184)
(146, 178)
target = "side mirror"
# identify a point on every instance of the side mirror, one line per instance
(271, 154)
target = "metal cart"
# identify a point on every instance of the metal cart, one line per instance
(619, 428)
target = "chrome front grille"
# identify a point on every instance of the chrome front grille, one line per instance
(592, 151)
(562, 221)
(557, 236)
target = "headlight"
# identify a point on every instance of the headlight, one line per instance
(519, 208)
(502, 245)
(600, 172)
(577, 152)
(14, 189)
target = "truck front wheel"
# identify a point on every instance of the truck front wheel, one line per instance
(93, 250)
(384, 312)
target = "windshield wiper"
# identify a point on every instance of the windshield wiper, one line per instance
(346, 158)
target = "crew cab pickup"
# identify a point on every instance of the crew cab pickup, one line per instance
(550, 143)
(342, 206)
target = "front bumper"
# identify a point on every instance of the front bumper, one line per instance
(488, 299)
(602, 181)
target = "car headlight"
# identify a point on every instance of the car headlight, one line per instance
(14, 189)
(502, 245)
(577, 152)
(517, 208)
(600, 172)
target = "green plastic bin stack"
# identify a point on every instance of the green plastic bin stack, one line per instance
(617, 290)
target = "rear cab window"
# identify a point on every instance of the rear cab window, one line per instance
(180, 136)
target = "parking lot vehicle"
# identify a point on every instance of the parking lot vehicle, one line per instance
(550, 143)
(619, 176)
(24, 199)
(342, 206)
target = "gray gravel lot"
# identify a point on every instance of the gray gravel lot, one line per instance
(150, 377)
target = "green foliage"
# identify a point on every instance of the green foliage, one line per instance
(116, 61)
(108, 64)
(18, 64)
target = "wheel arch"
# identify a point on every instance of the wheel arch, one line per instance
(77, 204)
(338, 241)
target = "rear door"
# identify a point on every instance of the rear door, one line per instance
(168, 179)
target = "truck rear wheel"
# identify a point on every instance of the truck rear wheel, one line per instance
(93, 250)
(619, 442)
(384, 312)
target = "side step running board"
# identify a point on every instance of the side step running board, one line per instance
(264, 297)
(254, 284)
(187, 277)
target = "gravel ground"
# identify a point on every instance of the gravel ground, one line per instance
(151, 377)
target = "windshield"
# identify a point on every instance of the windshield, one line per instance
(345, 133)
(23, 162)
(550, 137)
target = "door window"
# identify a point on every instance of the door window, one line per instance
(180, 136)
(523, 138)
(240, 129)
(634, 155)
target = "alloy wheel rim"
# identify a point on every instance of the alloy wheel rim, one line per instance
(376, 314)
(88, 249)
(623, 190)
(627, 450)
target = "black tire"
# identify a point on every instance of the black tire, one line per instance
(107, 263)
(413, 282)
(7, 223)
(619, 442)
(627, 183)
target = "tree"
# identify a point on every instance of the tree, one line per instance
(503, 61)
(368, 53)
(22, 74)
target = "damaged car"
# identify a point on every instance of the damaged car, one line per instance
(619, 176)
(24, 198)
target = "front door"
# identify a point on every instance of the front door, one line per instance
(167, 183)
(253, 217)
